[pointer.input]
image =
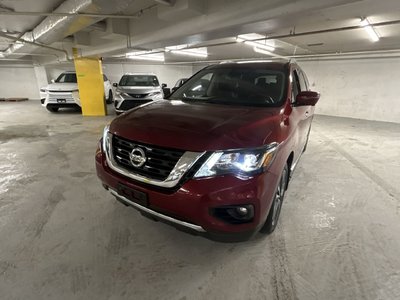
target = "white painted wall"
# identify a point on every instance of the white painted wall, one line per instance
(364, 89)
(41, 76)
(18, 82)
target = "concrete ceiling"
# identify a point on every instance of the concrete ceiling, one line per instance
(150, 25)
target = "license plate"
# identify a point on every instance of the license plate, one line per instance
(61, 100)
(133, 195)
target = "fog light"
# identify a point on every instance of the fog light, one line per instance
(235, 214)
(241, 210)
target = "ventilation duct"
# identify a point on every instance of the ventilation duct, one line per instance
(55, 28)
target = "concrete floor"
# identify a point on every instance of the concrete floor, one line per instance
(62, 236)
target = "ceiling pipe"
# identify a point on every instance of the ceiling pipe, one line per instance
(68, 18)
(77, 14)
(23, 41)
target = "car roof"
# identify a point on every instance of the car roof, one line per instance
(140, 73)
(275, 65)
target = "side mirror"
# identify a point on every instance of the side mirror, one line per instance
(307, 98)
(52, 81)
(174, 89)
(115, 84)
(164, 85)
(166, 92)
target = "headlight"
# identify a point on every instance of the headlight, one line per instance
(121, 95)
(242, 163)
(106, 142)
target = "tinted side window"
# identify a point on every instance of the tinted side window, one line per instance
(105, 77)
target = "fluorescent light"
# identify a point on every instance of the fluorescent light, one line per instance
(177, 47)
(146, 55)
(248, 39)
(262, 51)
(260, 46)
(197, 52)
(251, 36)
(370, 30)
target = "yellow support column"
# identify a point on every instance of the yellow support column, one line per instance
(91, 85)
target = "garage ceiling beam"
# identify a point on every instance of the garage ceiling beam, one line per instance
(305, 33)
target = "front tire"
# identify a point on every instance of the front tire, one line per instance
(110, 97)
(52, 109)
(275, 210)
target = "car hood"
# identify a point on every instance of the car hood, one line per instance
(62, 86)
(198, 127)
(138, 89)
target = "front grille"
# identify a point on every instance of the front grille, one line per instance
(138, 95)
(159, 162)
(53, 97)
(129, 104)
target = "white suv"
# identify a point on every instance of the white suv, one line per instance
(135, 89)
(63, 92)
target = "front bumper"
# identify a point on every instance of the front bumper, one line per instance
(122, 105)
(189, 206)
(61, 99)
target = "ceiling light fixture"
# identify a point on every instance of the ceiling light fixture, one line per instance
(262, 51)
(370, 30)
(197, 52)
(146, 55)
(249, 39)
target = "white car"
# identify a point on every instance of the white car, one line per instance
(135, 89)
(63, 92)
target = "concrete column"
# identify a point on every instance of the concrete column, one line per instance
(91, 85)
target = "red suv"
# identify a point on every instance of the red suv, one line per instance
(215, 158)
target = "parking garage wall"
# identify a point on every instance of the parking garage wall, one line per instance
(362, 88)
(18, 82)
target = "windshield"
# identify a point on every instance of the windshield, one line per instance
(67, 78)
(235, 85)
(139, 80)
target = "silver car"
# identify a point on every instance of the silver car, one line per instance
(135, 89)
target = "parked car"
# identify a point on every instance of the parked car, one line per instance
(135, 89)
(215, 158)
(178, 84)
(63, 92)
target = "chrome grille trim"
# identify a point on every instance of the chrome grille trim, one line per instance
(186, 161)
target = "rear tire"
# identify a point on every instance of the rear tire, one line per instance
(52, 109)
(275, 210)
